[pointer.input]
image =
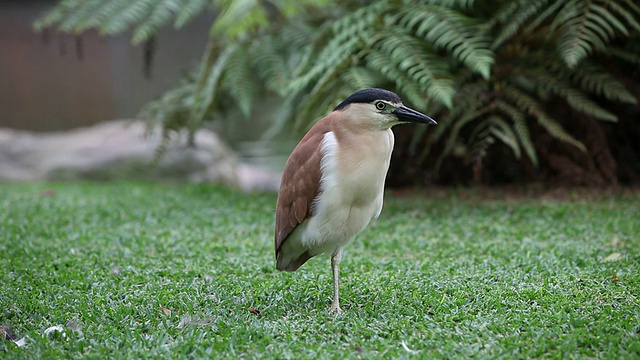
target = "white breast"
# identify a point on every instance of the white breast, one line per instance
(351, 191)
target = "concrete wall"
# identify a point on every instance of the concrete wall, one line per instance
(45, 85)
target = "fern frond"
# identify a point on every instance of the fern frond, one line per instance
(171, 112)
(347, 36)
(56, 14)
(123, 15)
(421, 132)
(447, 117)
(239, 79)
(519, 125)
(585, 27)
(480, 139)
(513, 16)
(505, 133)
(533, 108)
(271, 64)
(188, 10)
(62, 11)
(595, 80)
(297, 34)
(207, 83)
(414, 93)
(108, 20)
(324, 95)
(114, 17)
(173, 109)
(574, 98)
(159, 14)
(237, 17)
(450, 30)
(635, 8)
(465, 4)
(624, 55)
(360, 77)
(454, 134)
(281, 117)
(409, 60)
(76, 21)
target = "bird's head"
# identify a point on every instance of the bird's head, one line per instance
(380, 108)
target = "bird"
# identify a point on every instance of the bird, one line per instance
(332, 185)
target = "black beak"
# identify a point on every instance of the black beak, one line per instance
(406, 114)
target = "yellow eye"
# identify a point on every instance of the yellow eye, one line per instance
(380, 105)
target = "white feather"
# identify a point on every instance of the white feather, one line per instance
(349, 199)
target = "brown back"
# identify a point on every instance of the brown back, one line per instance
(300, 183)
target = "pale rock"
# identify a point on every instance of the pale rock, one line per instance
(125, 149)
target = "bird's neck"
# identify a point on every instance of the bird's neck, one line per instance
(366, 146)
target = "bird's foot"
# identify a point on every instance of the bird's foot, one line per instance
(335, 309)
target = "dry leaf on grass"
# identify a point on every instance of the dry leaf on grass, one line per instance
(48, 192)
(406, 348)
(188, 320)
(22, 342)
(615, 241)
(73, 326)
(5, 332)
(55, 329)
(614, 277)
(165, 310)
(116, 270)
(612, 257)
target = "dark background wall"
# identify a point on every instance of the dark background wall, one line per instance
(50, 81)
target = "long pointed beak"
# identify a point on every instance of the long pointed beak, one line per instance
(406, 114)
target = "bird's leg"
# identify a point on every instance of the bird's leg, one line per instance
(335, 268)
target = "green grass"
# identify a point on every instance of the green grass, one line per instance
(168, 271)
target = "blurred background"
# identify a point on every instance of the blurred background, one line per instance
(542, 92)
(57, 81)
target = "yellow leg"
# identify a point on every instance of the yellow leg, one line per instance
(335, 268)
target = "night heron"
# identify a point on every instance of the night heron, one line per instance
(333, 182)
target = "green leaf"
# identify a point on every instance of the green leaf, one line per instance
(450, 30)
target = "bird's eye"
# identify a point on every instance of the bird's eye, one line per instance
(380, 105)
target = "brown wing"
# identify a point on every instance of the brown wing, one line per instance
(300, 182)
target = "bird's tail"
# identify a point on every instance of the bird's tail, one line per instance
(287, 263)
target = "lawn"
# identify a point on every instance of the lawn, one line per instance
(138, 270)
